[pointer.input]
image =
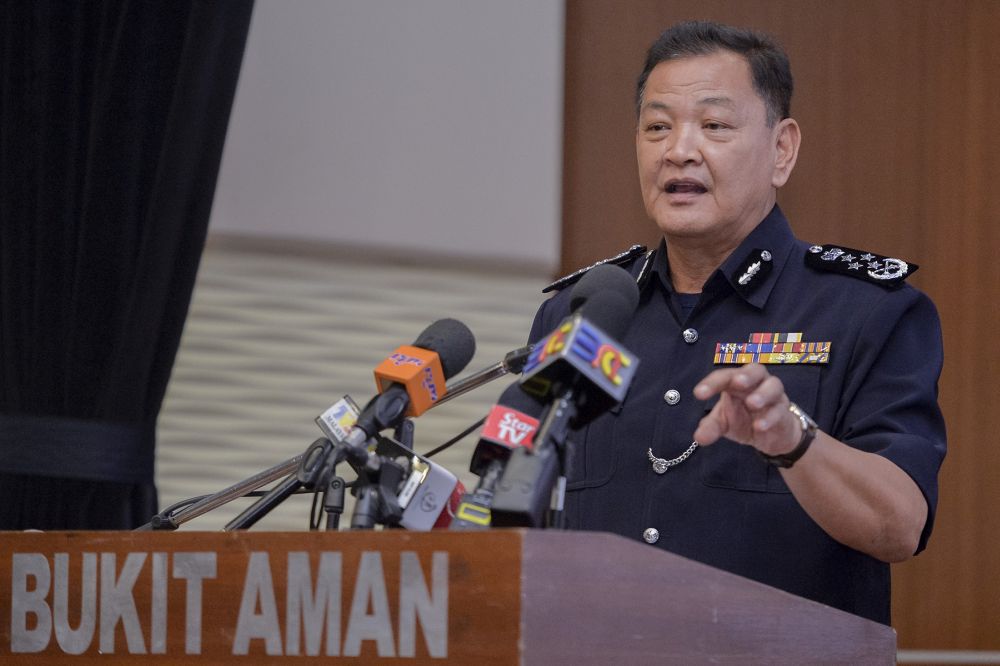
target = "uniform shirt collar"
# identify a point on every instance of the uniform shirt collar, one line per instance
(768, 245)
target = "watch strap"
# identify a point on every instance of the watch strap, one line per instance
(809, 429)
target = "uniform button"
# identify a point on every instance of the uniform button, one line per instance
(690, 336)
(651, 535)
(672, 397)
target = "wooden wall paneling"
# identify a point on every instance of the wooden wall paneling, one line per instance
(951, 594)
(899, 101)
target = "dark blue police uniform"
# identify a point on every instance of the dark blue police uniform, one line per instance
(724, 505)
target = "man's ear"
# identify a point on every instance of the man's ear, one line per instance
(787, 138)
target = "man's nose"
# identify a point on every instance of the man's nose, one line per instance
(683, 146)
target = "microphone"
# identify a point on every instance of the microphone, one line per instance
(582, 370)
(511, 424)
(450, 346)
(420, 369)
(412, 379)
(582, 354)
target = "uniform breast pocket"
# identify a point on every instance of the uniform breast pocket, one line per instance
(593, 457)
(727, 464)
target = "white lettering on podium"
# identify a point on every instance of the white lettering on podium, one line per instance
(193, 567)
(258, 588)
(33, 577)
(158, 606)
(313, 603)
(25, 602)
(431, 607)
(118, 604)
(306, 607)
(369, 590)
(74, 641)
(312, 607)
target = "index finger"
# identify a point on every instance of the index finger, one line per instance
(739, 380)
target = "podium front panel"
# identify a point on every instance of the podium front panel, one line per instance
(362, 597)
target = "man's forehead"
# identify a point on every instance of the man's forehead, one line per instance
(716, 67)
(721, 78)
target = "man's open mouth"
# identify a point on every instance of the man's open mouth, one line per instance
(685, 187)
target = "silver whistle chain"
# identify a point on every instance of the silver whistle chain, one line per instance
(661, 465)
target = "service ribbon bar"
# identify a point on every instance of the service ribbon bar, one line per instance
(772, 348)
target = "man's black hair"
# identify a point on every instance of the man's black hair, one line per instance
(769, 68)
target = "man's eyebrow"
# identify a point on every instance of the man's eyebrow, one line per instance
(726, 102)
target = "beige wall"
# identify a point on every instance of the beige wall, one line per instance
(422, 127)
(899, 102)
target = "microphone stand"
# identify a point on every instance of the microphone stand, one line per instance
(513, 361)
(168, 522)
(315, 467)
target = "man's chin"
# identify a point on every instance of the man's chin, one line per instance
(690, 224)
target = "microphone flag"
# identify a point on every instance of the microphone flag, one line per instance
(578, 347)
(419, 371)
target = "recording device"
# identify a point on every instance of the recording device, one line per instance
(428, 494)
(425, 493)
(581, 370)
(511, 424)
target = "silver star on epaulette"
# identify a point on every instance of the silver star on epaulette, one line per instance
(867, 256)
(854, 266)
(847, 257)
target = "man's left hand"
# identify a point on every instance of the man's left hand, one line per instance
(752, 410)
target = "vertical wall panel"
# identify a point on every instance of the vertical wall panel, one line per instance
(899, 102)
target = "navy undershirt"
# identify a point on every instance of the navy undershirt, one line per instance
(686, 303)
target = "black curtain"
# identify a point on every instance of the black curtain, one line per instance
(113, 116)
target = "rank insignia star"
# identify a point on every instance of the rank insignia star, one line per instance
(875, 268)
(772, 349)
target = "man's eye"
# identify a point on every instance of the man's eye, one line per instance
(714, 126)
(658, 127)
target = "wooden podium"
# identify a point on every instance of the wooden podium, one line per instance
(494, 597)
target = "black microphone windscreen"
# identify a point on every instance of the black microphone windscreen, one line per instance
(452, 340)
(515, 397)
(607, 296)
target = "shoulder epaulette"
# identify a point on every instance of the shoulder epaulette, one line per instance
(867, 266)
(618, 260)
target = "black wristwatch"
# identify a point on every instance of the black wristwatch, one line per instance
(809, 429)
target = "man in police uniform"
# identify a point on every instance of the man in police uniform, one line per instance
(783, 423)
